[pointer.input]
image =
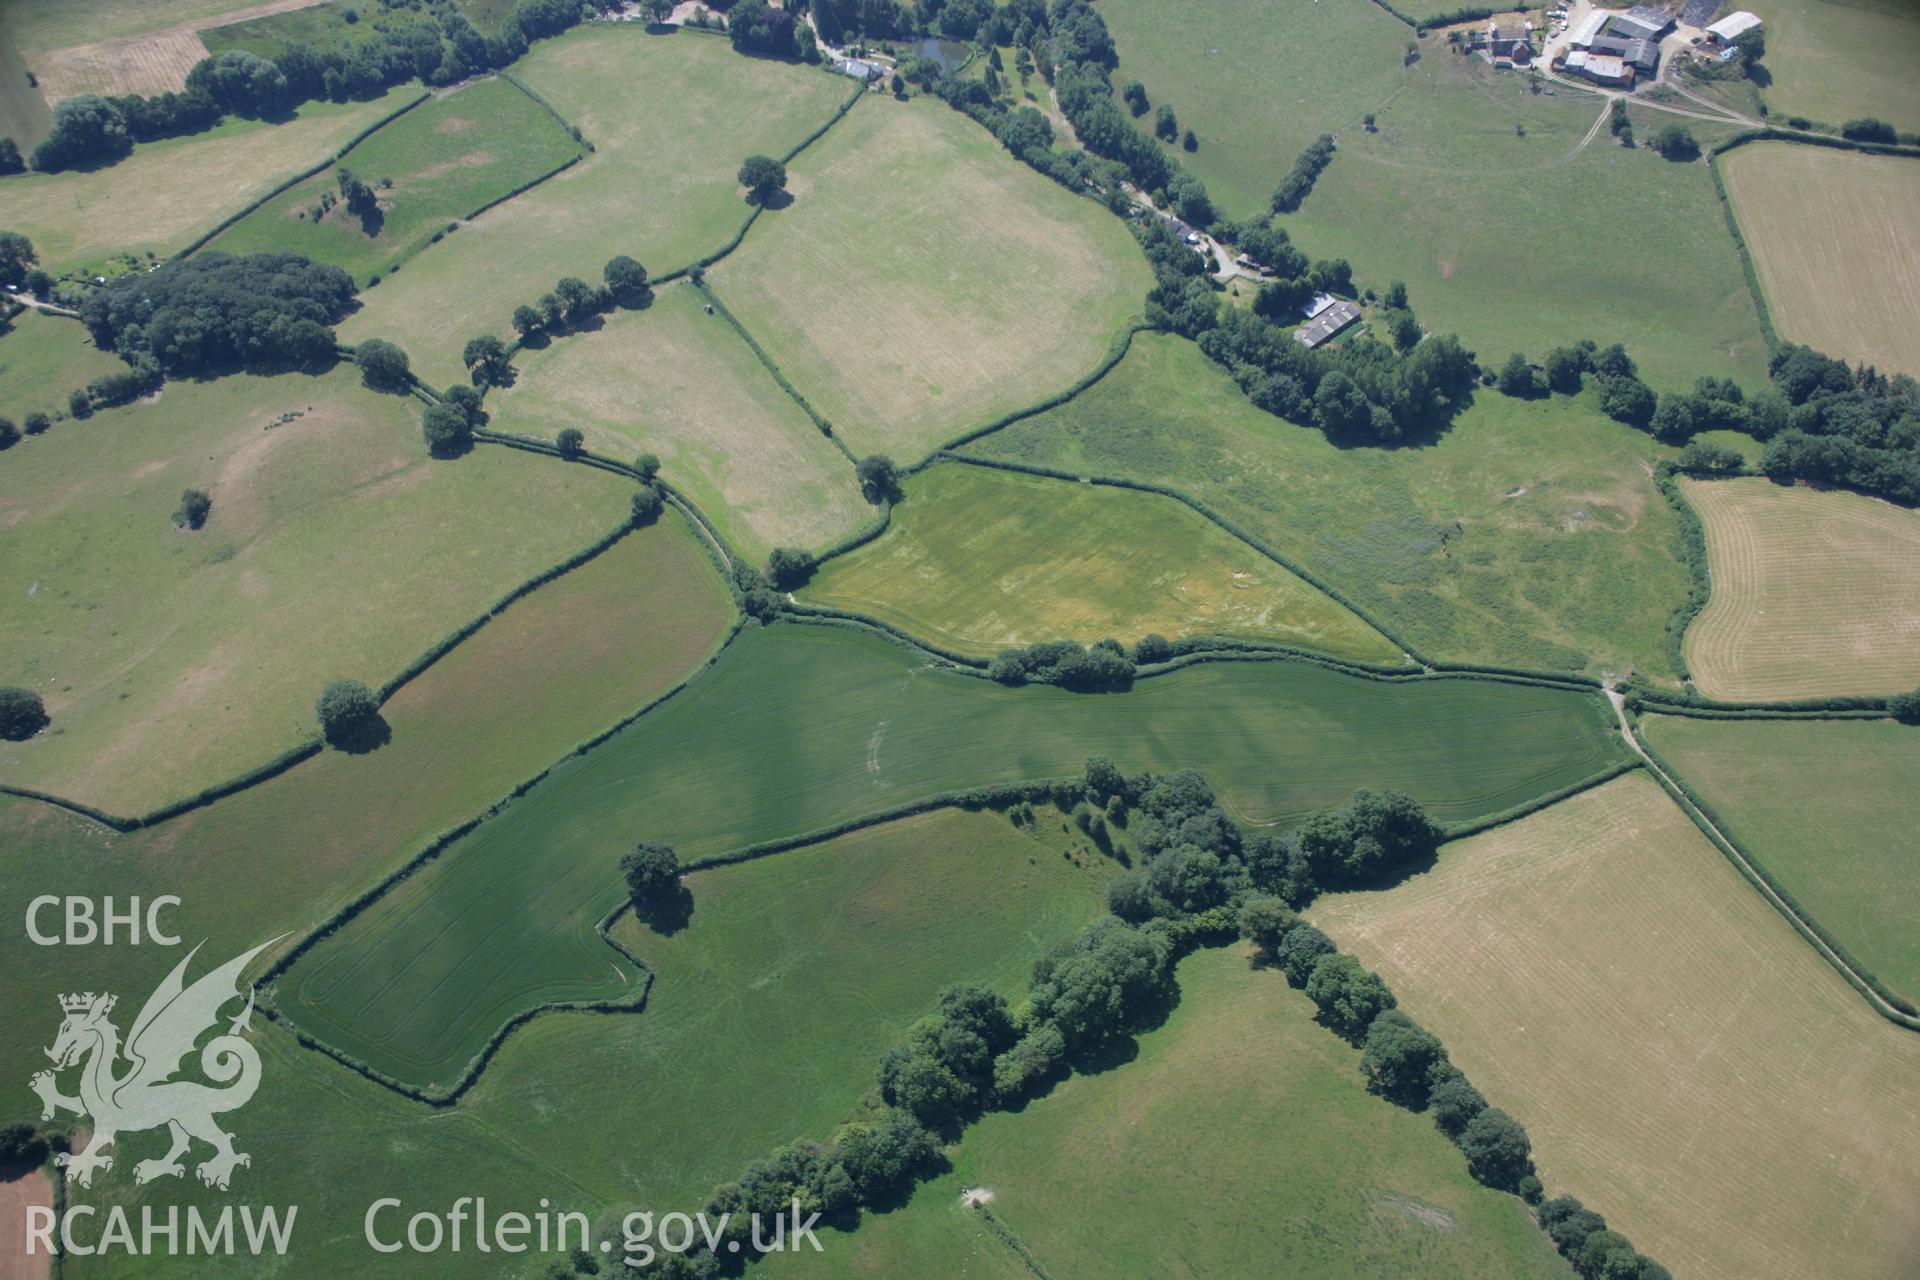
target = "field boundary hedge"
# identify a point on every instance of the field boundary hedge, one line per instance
(302, 176)
(1740, 247)
(1466, 13)
(1506, 817)
(760, 353)
(573, 130)
(1884, 1001)
(1693, 554)
(1116, 352)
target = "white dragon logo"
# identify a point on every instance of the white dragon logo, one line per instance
(146, 1096)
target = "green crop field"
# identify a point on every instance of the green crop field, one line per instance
(1815, 593)
(432, 166)
(924, 281)
(800, 727)
(1530, 534)
(1251, 1128)
(670, 117)
(1836, 247)
(978, 559)
(870, 926)
(1833, 60)
(1682, 1059)
(559, 665)
(24, 116)
(1510, 240)
(1822, 805)
(167, 193)
(1258, 84)
(681, 383)
(44, 357)
(170, 660)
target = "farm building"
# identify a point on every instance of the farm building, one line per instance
(1603, 69)
(1589, 30)
(1510, 43)
(1330, 321)
(1731, 28)
(860, 69)
(1640, 23)
(1316, 304)
(1642, 55)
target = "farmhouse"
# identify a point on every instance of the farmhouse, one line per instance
(1330, 321)
(1730, 28)
(860, 69)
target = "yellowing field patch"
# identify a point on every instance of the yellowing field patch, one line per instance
(1835, 241)
(1683, 1061)
(1815, 593)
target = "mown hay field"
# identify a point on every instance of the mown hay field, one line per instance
(431, 167)
(167, 193)
(1815, 593)
(557, 666)
(680, 383)
(924, 281)
(42, 25)
(146, 64)
(1257, 84)
(1836, 245)
(670, 118)
(1237, 1081)
(1484, 200)
(978, 559)
(767, 1019)
(170, 660)
(1683, 1061)
(1825, 807)
(1530, 534)
(799, 727)
(42, 358)
(1834, 60)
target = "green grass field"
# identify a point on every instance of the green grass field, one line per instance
(1682, 1060)
(171, 660)
(1835, 245)
(1823, 806)
(1530, 534)
(681, 383)
(924, 281)
(819, 960)
(1833, 60)
(1250, 1127)
(671, 117)
(1522, 242)
(44, 357)
(978, 560)
(167, 193)
(800, 727)
(558, 666)
(1256, 84)
(443, 160)
(24, 116)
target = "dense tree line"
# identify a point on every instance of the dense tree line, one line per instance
(1299, 180)
(216, 312)
(1104, 667)
(440, 49)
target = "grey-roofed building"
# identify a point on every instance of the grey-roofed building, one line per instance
(1640, 23)
(1642, 55)
(1325, 325)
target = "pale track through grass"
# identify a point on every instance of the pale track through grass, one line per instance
(1815, 593)
(1682, 1060)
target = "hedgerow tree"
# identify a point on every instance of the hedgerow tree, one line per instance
(87, 129)
(1497, 1149)
(1349, 996)
(526, 321)
(17, 256)
(762, 176)
(1398, 1056)
(1265, 920)
(448, 432)
(648, 465)
(878, 478)
(486, 360)
(1452, 1102)
(647, 504)
(1516, 378)
(9, 433)
(1905, 707)
(1675, 142)
(626, 280)
(193, 510)
(1135, 96)
(22, 714)
(570, 441)
(652, 873)
(1165, 126)
(10, 161)
(789, 567)
(36, 423)
(383, 366)
(347, 708)
(1298, 950)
